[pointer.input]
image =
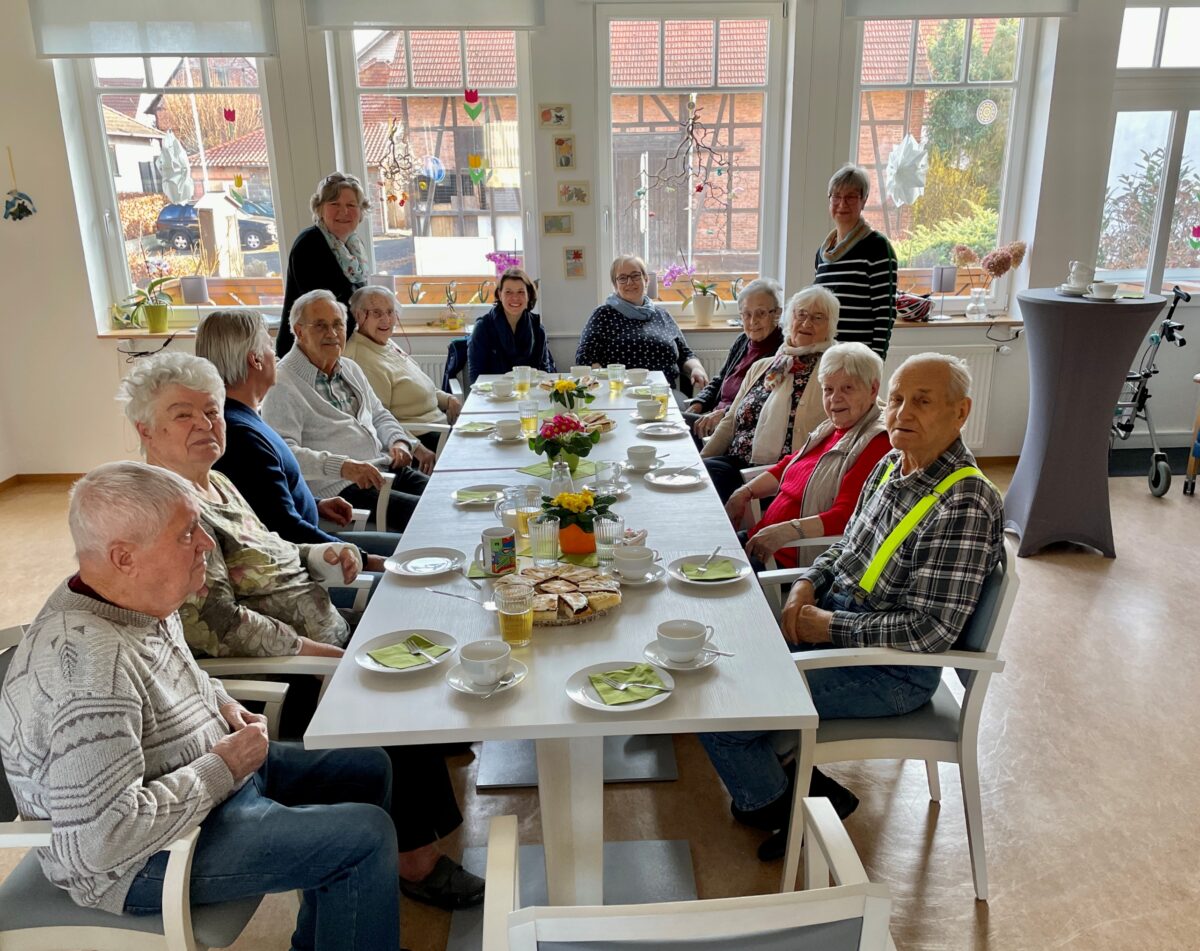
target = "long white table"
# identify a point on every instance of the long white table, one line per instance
(757, 689)
(604, 398)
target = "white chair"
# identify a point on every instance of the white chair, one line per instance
(38, 916)
(852, 915)
(417, 428)
(945, 730)
(358, 522)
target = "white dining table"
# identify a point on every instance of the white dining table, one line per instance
(758, 688)
(478, 401)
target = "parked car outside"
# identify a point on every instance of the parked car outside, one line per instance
(179, 226)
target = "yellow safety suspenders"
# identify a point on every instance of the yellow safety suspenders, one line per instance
(907, 524)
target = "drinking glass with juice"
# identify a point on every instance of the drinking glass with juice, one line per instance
(514, 613)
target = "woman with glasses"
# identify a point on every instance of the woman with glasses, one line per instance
(628, 328)
(510, 334)
(779, 401)
(404, 389)
(760, 304)
(858, 264)
(329, 256)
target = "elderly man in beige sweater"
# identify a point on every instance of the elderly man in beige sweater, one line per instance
(110, 730)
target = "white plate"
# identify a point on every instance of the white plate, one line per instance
(675, 570)
(1102, 300)
(580, 689)
(657, 573)
(662, 430)
(654, 653)
(631, 467)
(497, 398)
(363, 658)
(623, 487)
(676, 477)
(496, 489)
(509, 440)
(425, 562)
(456, 679)
(1068, 291)
(486, 430)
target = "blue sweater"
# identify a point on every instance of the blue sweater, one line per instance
(494, 348)
(264, 469)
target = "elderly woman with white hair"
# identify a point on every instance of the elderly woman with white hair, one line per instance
(630, 329)
(779, 401)
(858, 264)
(816, 487)
(405, 390)
(760, 305)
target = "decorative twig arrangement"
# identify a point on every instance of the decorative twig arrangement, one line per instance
(397, 164)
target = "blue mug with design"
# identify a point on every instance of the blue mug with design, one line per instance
(497, 553)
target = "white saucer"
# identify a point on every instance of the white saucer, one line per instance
(676, 477)
(508, 440)
(657, 573)
(675, 570)
(1068, 291)
(456, 679)
(662, 430)
(1103, 300)
(363, 658)
(425, 562)
(654, 653)
(631, 467)
(643, 391)
(496, 490)
(486, 430)
(497, 398)
(580, 689)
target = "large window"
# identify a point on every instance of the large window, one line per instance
(189, 168)
(689, 151)
(1155, 37)
(442, 165)
(938, 97)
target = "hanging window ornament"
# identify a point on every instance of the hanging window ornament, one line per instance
(471, 104)
(987, 112)
(907, 167)
(230, 115)
(396, 165)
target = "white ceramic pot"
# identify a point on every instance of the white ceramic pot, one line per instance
(703, 306)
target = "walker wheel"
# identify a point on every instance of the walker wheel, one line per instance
(1159, 478)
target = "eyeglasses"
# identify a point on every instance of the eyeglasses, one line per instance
(846, 198)
(748, 315)
(637, 278)
(375, 313)
(323, 326)
(803, 316)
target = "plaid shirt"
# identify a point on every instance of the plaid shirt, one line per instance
(337, 390)
(929, 588)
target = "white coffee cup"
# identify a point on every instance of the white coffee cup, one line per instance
(682, 640)
(648, 410)
(485, 662)
(508, 428)
(634, 561)
(502, 388)
(580, 371)
(1103, 289)
(636, 377)
(1080, 274)
(642, 457)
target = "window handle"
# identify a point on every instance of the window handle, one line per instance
(108, 222)
(606, 220)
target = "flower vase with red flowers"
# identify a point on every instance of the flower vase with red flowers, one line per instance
(564, 438)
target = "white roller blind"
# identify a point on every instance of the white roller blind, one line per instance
(152, 28)
(443, 15)
(908, 9)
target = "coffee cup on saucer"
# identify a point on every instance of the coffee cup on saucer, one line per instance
(641, 457)
(485, 662)
(1104, 289)
(636, 377)
(502, 388)
(634, 561)
(683, 640)
(508, 428)
(648, 410)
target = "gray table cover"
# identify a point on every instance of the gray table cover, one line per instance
(1079, 353)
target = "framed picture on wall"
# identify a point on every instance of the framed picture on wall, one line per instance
(564, 151)
(559, 223)
(554, 116)
(573, 263)
(574, 193)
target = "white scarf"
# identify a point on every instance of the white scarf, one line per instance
(776, 413)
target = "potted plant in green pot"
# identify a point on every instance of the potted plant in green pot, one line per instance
(564, 438)
(576, 513)
(149, 306)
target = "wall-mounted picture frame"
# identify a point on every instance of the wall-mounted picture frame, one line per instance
(574, 264)
(558, 223)
(574, 193)
(554, 115)
(564, 151)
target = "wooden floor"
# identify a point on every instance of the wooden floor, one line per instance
(1088, 760)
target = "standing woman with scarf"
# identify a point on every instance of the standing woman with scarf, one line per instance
(779, 401)
(858, 264)
(510, 334)
(329, 256)
(629, 329)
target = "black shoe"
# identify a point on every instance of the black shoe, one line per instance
(843, 800)
(773, 847)
(448, 886)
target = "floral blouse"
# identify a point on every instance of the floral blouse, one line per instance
(746, 421)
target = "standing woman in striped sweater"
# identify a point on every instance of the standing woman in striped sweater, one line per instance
(858, 264)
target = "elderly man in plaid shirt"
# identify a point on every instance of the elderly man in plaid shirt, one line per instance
(917, 598)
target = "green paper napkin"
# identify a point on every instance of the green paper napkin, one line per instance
(469, 495)
(399, 657)
(476, 427)
(641, 392)
(482, 387)
(542, 470)
(719, 569)
(638, 673)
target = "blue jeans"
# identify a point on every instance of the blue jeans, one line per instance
(749, 762)
(314, 821)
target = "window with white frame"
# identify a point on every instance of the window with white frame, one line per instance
(690, 143)
(440, 148)
(185, 149)
(938, 97)
(1160, 37)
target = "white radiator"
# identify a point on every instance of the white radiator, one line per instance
(979, 360)
(432, 366)
(712, 360)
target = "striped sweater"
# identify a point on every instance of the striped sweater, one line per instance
(106, 729)
(864, 282)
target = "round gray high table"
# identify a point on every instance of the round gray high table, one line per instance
(1079, 353)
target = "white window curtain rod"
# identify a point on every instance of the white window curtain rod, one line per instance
(919, 9)
(443, 15)
(73, 28)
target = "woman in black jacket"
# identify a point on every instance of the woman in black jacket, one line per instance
(510, 334)
(329, 255)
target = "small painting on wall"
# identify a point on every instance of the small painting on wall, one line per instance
(574, 193)
(554, 116)
(561, 223)
(573, 263)
(564, 151)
